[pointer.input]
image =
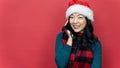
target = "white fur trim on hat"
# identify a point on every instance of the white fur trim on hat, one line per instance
(84, 10)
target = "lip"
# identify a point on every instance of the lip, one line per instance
(76, 26)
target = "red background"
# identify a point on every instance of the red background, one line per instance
(28, 29)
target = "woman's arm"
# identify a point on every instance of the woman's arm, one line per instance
(62, 52)
(97, 52)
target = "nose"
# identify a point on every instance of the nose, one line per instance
(75, 21)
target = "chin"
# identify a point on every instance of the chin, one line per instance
(77, 30)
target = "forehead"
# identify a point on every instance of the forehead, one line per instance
(76, 14)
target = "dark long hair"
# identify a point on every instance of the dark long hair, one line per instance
(87, 36)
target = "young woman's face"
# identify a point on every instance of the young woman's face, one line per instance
(77, 22)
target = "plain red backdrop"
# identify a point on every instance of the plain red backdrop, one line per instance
(28, 29)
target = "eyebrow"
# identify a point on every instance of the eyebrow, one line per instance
(77, 15)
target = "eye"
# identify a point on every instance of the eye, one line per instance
(71, 17)
(80, 17)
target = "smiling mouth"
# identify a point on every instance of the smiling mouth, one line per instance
(76, 26)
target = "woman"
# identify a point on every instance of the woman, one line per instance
(76, 45)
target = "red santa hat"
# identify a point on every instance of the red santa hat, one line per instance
(80, 7)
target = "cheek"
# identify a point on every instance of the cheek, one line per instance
(83, 25)
(71, 24)
(71, 21)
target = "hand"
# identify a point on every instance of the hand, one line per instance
(69, 33)
(69, 41)
(70, 36)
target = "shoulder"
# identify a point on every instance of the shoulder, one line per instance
(59, 35)
(97, 45)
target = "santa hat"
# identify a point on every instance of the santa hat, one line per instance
(80, 7)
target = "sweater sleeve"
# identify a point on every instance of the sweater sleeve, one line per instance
(97, 51)
(62, 52)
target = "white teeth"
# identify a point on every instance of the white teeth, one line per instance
(76, 26)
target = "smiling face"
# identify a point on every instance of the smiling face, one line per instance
(77, 22)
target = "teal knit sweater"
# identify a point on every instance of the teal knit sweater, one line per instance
(62, 53)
